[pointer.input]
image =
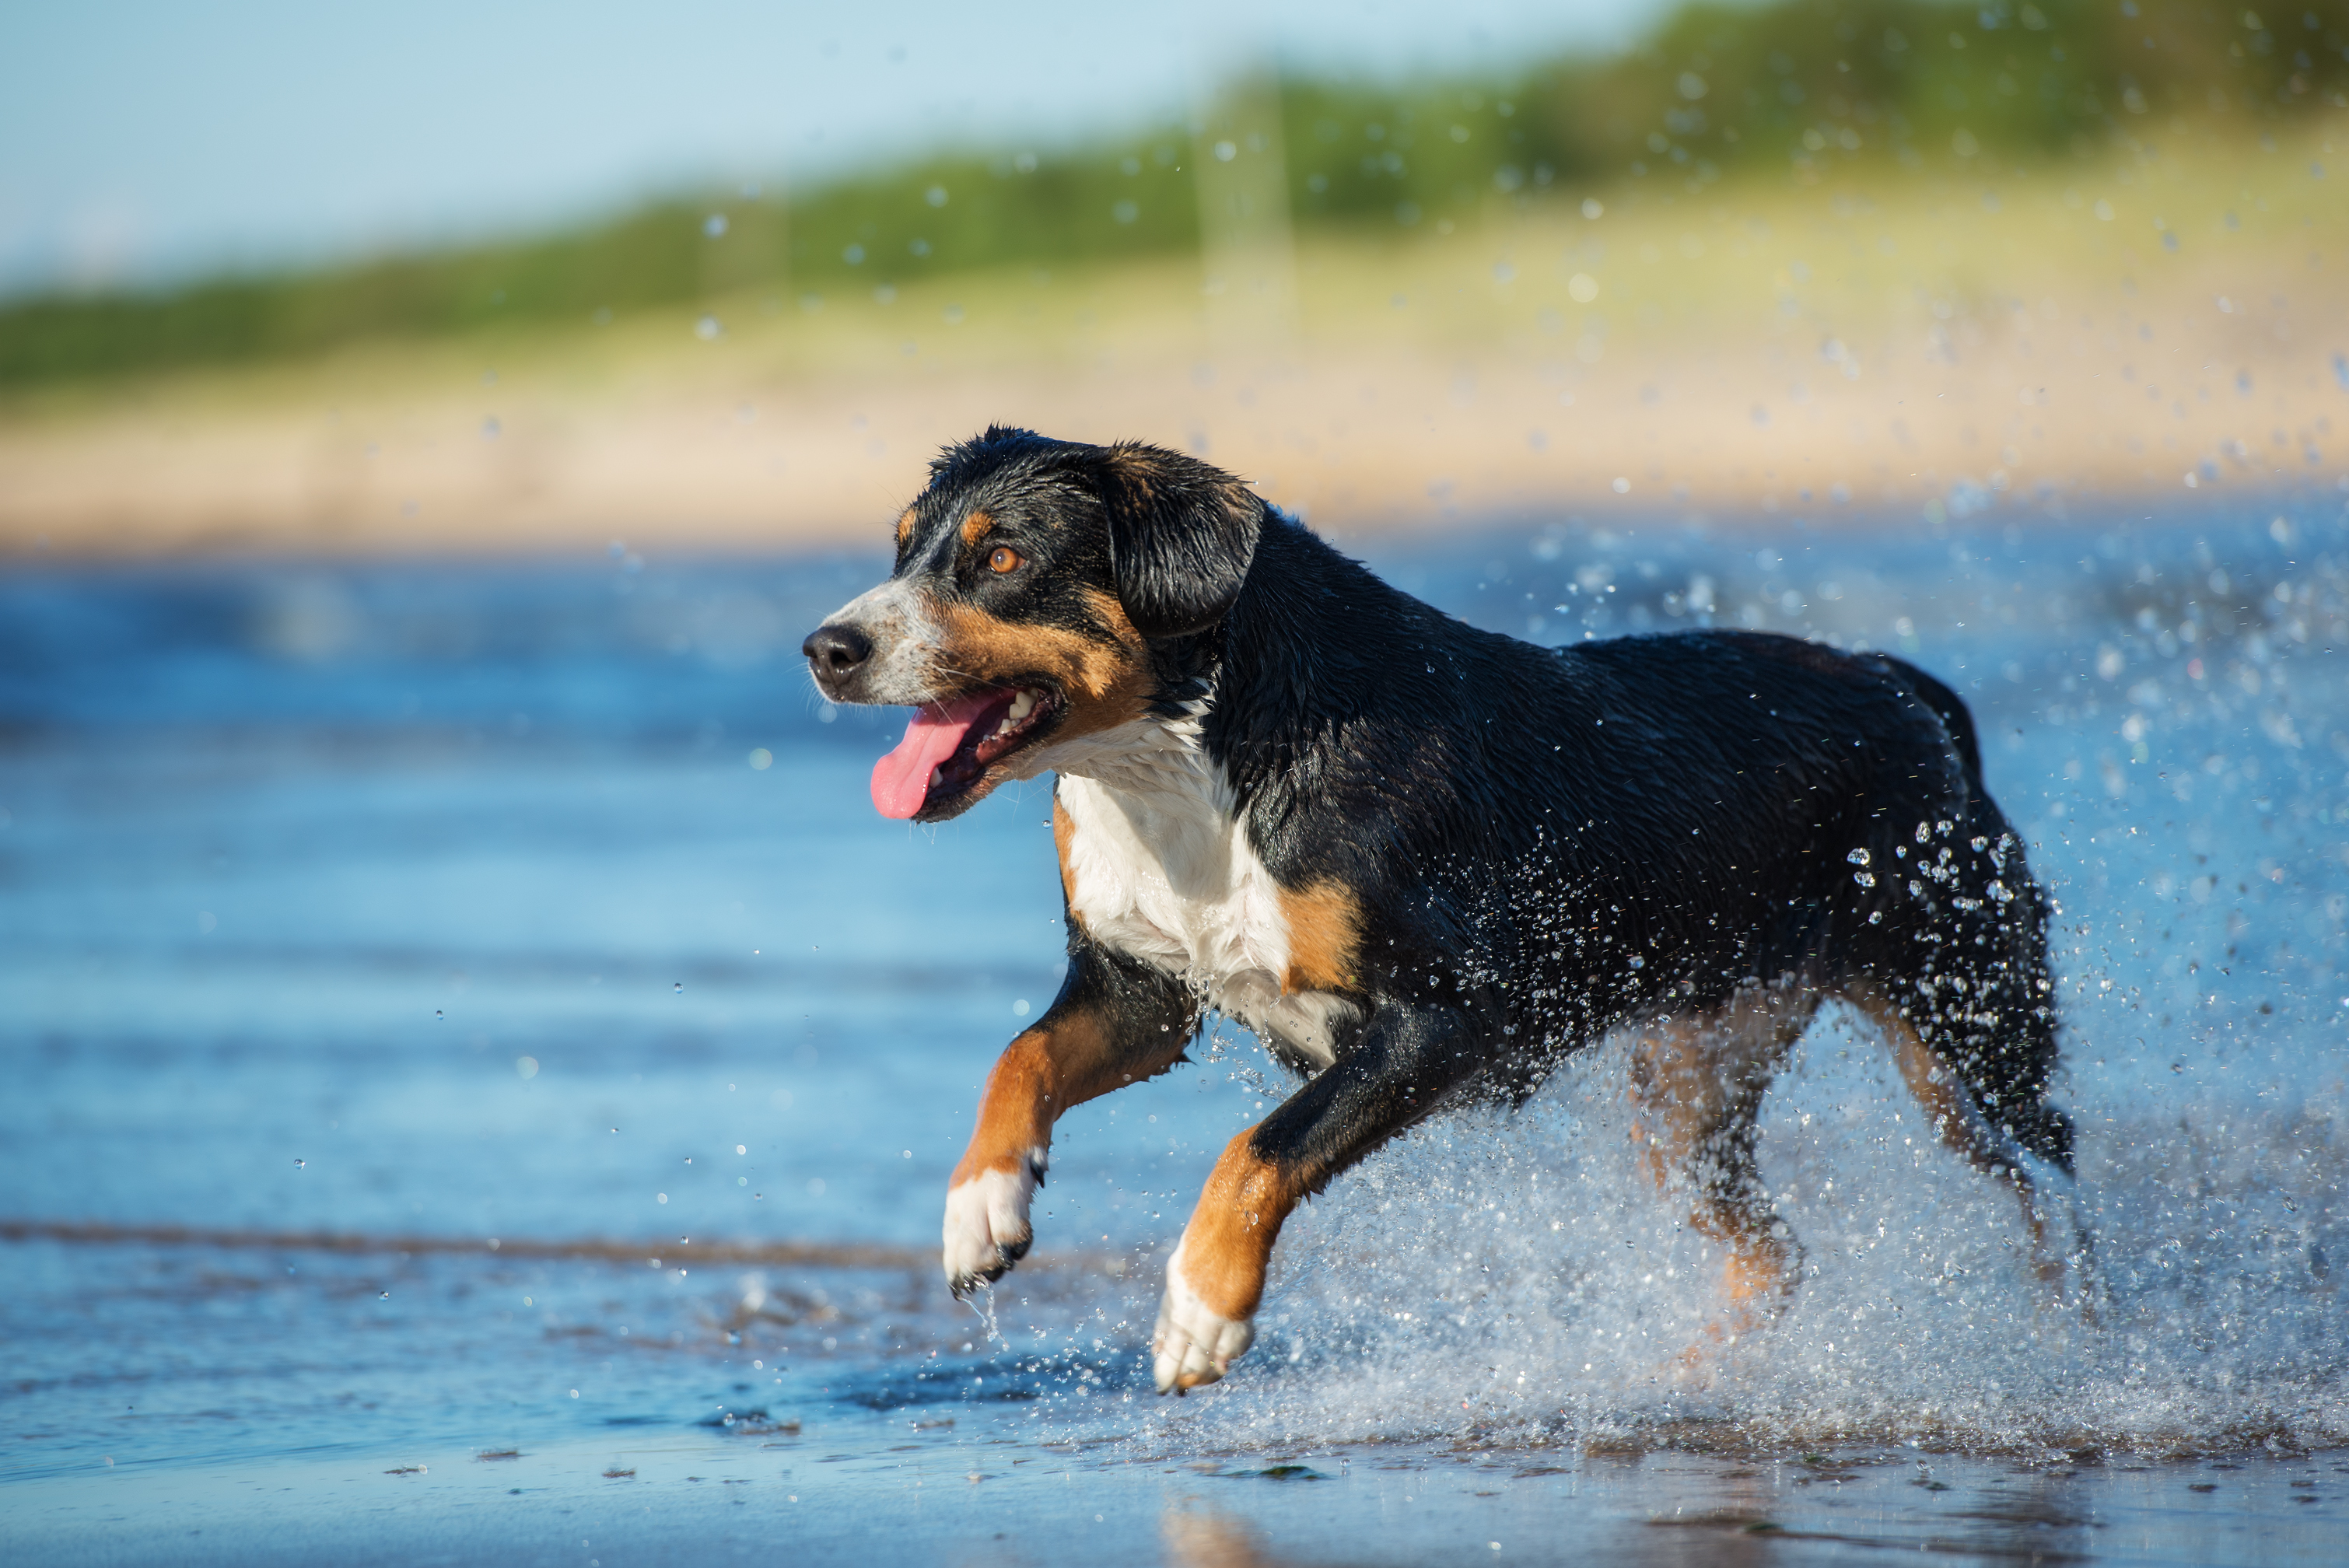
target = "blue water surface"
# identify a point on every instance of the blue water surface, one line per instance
(428, 903)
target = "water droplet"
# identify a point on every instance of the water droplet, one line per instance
(301, 1164)
(681, 987)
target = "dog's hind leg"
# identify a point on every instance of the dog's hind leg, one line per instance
(1403, 1065)
(1698, 1084)
(1941, 1093)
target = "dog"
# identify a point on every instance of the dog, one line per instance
(1424, 863)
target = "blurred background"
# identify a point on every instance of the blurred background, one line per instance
(431, 279)
(454, 991)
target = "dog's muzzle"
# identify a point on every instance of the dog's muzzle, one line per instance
(876, 648)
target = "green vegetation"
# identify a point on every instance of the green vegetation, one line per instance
(1798, 85)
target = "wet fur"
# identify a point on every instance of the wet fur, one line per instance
(1482, 855)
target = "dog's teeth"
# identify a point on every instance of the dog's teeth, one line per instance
(1020, 707)
(938, 776)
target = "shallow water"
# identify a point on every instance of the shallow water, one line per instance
(464, 1008)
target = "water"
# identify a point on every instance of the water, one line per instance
(459, 1008)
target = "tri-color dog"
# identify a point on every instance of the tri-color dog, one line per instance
(1423, 861)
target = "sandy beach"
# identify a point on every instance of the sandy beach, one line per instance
(2133, 329)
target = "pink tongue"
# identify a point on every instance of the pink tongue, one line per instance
(900, 781)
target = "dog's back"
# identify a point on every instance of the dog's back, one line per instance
(1580, 837)
(1425, 860)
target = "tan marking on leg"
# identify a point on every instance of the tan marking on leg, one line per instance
(1215, 1281)
(1067, 1058)
(1070, 1056)
(1017, 1109)
(1958, 1122)
(1698, 1083)
(975, 527)
(1228, 1242)
(1325, 929)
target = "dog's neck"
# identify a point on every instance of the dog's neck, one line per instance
(1157, 765)
(1146, 796)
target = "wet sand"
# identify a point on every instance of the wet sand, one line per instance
(948, 1499)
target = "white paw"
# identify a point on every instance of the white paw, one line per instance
(1194, 1345)
(987, 1228)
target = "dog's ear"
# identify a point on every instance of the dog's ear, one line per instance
(1181, 535)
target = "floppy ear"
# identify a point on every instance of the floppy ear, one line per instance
(1181, 535)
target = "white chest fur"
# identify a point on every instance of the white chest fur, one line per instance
(1160, 868)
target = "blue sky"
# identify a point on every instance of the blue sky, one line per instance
(143, 141)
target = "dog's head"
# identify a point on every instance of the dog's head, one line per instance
(1032, 576)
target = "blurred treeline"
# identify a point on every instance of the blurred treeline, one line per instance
(1797, 87)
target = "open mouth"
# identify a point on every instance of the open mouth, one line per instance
(950, 745)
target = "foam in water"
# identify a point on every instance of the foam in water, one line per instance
(1515, 1278)
(409, 892)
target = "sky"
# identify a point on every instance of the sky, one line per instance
(146, 141)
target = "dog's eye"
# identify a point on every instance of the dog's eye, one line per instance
(1006, 559)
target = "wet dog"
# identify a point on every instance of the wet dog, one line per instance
(1424, 863)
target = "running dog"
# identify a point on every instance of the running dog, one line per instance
(1424, 863)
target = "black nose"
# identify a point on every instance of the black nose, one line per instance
(836, 651)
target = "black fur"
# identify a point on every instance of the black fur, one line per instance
(1530, 824)
(1544, 843)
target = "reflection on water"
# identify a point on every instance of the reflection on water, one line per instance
(435, 990)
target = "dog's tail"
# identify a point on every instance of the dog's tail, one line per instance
(1950, 710)
(2007, 1049)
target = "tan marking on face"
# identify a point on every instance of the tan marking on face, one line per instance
(1325, 931)
(904, 528)
(1228, 1242)
(1106, 683)
(975, 527)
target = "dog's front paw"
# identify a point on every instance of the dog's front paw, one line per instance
(987, 1228)
(1194, 1345)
